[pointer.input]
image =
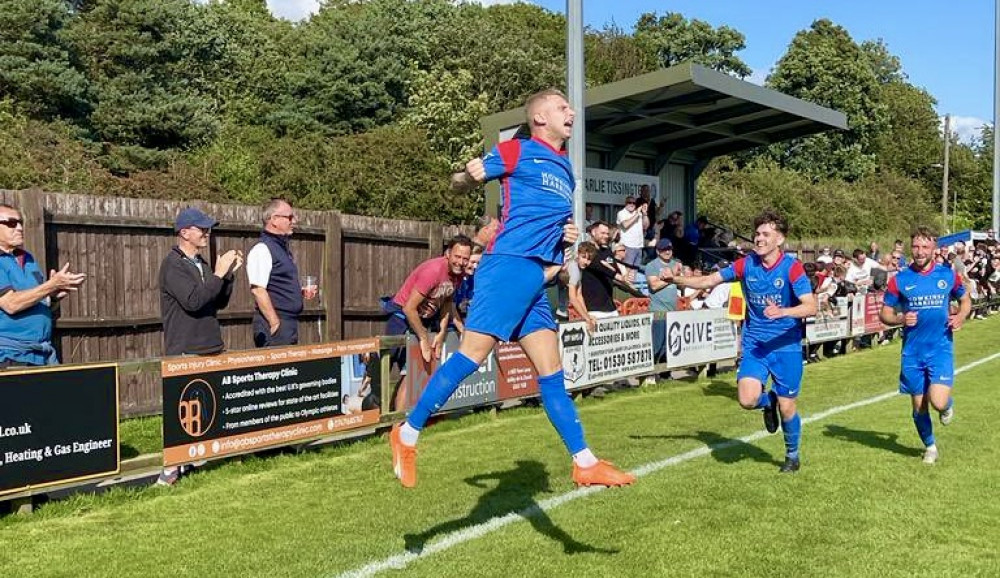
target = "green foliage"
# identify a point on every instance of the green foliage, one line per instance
(36, 67)
(911, 143)
(674, 39)
(881, 203)
(51, 156)
(613, 55)
(388, 171)
(513, 51)
(825, 66)
(440, 105)
(971, 182)
(151, 63)
(367, 106)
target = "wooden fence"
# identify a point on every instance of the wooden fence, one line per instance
(120, 242)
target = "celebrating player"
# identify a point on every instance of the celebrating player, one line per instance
(779, 297)
(922, 293)
(510, 302)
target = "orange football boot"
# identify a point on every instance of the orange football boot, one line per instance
(404, 459)
(603, 473)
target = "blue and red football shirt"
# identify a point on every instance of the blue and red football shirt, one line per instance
(536, 184)
(928, 293)
(783, 284)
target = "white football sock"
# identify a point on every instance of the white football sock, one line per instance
(585, 458)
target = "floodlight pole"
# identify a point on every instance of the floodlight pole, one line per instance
(575, 85)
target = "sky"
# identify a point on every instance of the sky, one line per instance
(945, 47)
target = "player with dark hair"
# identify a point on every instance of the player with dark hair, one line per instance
(919, 298)
(510, 303)
(779, 297)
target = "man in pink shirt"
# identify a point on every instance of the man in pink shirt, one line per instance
(425, 300)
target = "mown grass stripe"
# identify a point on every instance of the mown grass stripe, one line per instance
(401, 560)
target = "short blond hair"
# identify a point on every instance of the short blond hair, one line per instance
(538, 98)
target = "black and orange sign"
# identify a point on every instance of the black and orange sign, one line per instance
(57, 424)
(247, 400)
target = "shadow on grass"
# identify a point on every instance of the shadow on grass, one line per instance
(719, 388)
(514, 493)
(873, 439)
(724, 450)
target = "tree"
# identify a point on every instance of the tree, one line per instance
(825, 66)
(151, 63)
(613, 55)
(911, 142)
(674, 39)
(440, 105)
(36, 66)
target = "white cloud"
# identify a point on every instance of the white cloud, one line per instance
(293, 10)
(968, 128)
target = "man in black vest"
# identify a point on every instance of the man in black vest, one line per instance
(274, 279)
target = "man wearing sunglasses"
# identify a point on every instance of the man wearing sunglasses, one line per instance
(274, 279)
(26, 298)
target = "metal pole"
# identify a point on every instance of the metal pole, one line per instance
(944, 178)
(575, 82)
(996, 115)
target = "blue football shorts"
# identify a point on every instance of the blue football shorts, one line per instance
(922, 369)
(784, 367)
(509, 301)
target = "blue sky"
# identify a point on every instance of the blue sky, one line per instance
(945, 47)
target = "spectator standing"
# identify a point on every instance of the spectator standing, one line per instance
(191, 291)
(663, 294)
(597, 279)
(692, 234)
(673, 229)
(633, 222)
(873, 251)
(585, 254)
(274, 279)
(467, 288)
(192, 294)
(26, 298)
(860, 270)
(897, 248)
(426, 300)
(649, 236)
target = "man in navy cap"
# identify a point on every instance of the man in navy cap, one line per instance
(191, 291)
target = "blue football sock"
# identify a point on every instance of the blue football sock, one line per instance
(442, 384)
(793, 432)
(764, 401)
(951, 402)
(924, 427)
(561, 411)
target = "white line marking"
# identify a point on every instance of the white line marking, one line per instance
(400, 561)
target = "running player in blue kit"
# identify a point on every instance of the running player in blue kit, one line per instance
(510, 303)
(919, 298)
(778, 298)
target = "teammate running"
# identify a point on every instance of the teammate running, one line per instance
(779, 297)
(510, 303)
(922, 293)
